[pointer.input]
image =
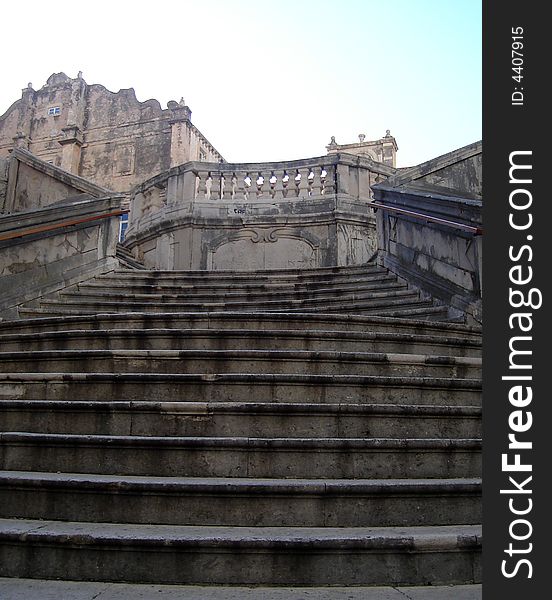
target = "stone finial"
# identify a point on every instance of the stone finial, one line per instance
(387, 133)
(30, 86)
(79, 75)
(182, 103)
(361, 137)
(332, 143)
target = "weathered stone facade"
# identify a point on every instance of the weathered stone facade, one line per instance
(383, 150)
(111, 139)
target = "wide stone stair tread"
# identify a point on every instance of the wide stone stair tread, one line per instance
(242, 457)
(366, 298)
(239, 501)
(234, 360)
(234, 485)
(238, 386)
(420, 310)
(292, 296)
(205, 339)
(213, 536)
(42, 589)
(146, 284)
(301, 273)
(209, 554)
(228, 319)
(240, 419)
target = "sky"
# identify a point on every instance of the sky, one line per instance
(269, 80)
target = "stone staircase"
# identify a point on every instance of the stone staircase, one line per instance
(355, 290)
(286, 428)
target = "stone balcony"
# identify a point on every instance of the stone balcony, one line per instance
(244, 216)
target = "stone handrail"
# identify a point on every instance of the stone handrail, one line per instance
(274, 183)
(338, 174)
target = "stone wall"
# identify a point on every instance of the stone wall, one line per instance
(48, 249)
(307, 213)
(429, 228)
(111, 139)
(32, 183)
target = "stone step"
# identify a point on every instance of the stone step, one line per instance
(235, 419)
(227, 285)
(242, 320)
(107, 301)
(262, 275)
(241, 555)
(239, 501)
(349, 458)
(422, 310)
(241, 387)
(253, 339)
(238, 294)
(44, 589)
(240, 361)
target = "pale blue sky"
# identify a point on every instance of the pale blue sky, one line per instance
(270, 80)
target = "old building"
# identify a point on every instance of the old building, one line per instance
(111, 139)
(383, 150)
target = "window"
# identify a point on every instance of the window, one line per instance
(54, 111)
(123, 224)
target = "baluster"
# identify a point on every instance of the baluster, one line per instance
(286, 184)
(261, 185)
(316, 182)
(310, 180)
(303, 187)
(250, 188)
(228, 185)
(272, 182)
(295, 181)
(279, 185)
(208, 186)
(239, 195)
(202, 185)
(216, 185)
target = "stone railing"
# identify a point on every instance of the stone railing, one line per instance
(271, 183)
(311, 212)
(322, 177)
(435, 243)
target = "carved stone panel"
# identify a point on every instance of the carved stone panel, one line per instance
(264, 249)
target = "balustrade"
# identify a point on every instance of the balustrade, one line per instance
(270, 184)
(260, 182)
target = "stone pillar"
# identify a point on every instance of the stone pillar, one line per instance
(343, 179)
(389, 146)
(71, 144)
(180, 144)
(73, 137)
(20, 140)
